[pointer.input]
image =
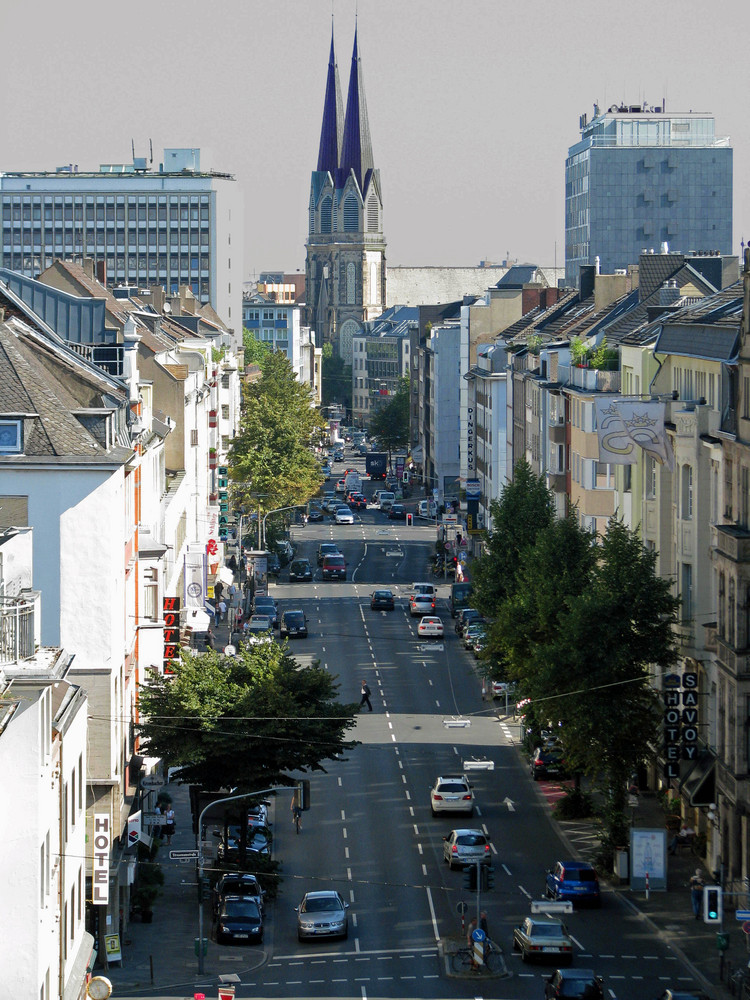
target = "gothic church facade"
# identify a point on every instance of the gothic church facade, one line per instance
(345, 264)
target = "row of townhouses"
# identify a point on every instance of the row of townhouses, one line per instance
(117, 408)
(631, 397)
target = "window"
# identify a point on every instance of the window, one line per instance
(351, 214)
(728, 476)
(722, 606)
(11, 436)
(372, 214)
(325, 215)
(731, 610)
(686, 592)
(687, 492)
(14, 512)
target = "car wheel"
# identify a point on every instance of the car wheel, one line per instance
(524, 955)
(515, 945)
(433, 811)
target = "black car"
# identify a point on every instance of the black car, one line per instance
(265, 605)
(239, 920)
(327, 549)
(397, 512)
(300, 569)
(382, 600)
(294, 624)
(464, 616)
(315, 514)
(258, 842)
(547, 762)
(581, 983)
(274, 564)
(237, 884)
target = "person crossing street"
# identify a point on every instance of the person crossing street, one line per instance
(366, 692)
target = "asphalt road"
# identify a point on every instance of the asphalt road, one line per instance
(370, 833)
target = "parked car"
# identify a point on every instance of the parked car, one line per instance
(239, 920)
(259, 629)
(584, 983)
(322, 914)
(285, 550)
(265, 605)
(314, 514)
(574, 881)
(471, 633)
(543, 939)
(327, 549)
(464, 617)
(452, 793)
(466, 847)
(300, 569)
(547, 762)
(326, 470)
(258, 842)
(334, 567)
(382, 600)
(421, 604)
(273, 565)
(294, 624)
(237, 884)
(431, 627)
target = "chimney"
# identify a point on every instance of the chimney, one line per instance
(101, 272)
(669, 293)
(88, 266)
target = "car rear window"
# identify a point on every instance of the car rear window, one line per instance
(452, 786)
(546, 930)
(585, 875)
(471, 840)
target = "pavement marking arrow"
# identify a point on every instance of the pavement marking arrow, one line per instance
(509, 803)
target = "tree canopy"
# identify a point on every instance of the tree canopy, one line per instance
(579, 623)
(244, 722)
(390, 423)
(271, 454)
(255, 350)
(337, 379)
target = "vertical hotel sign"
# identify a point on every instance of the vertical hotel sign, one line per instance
(680, 720)
(171, 615)
(102, 841)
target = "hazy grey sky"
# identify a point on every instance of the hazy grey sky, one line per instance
(472, 103)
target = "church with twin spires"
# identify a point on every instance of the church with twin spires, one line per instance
(345, 263)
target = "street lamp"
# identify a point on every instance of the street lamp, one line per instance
(276, 510)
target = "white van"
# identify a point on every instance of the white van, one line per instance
(427, 508)
(386, 500)
(428, 589)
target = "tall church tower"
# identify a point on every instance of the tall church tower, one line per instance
(345, 263)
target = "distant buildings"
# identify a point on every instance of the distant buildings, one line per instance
(640, 177)
(380, 358)
(345, 269)
(177, 225)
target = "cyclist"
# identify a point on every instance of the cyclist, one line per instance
(296, 813)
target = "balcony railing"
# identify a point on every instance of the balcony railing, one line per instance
(16, 629)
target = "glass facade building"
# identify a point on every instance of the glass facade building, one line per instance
(639, 178)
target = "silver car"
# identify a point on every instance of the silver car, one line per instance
(466, 847)
(322, 914)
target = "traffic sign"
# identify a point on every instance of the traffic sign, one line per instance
(743, 914)
(184, 855)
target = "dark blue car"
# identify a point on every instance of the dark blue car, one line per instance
(574, 881)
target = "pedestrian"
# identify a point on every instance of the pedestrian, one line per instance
(169, 828)
(685, 836)
(232, 563)
(696, 892)
(209, 639)
(365, 696)
(232, 591)
(238, 618)
(218, 590)
(222, 610)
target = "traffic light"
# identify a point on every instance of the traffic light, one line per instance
(303, 794)
(470, 878)
(713, 904)
(488, 877)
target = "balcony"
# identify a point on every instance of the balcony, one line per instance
(737, 663)
(732, 541)
(17, 633)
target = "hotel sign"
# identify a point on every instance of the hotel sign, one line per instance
(102, 842)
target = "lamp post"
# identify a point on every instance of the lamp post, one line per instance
(199, 846)
(276, 510)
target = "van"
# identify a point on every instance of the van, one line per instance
(460, 597)
(386, 500)
(334, 568)
(428, 589)
(427, 508)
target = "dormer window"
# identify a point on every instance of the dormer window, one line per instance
(11, 437)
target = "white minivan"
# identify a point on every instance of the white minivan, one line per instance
(428, 589)
(427, 508)
(386, 500)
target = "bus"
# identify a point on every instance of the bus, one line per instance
(460, 597)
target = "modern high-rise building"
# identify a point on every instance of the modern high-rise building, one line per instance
(171, 226)
(640, 178)
(345, 267)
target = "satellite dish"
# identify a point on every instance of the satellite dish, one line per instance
(167, 308)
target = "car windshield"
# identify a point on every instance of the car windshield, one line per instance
(321, 904)
(575, 987)
(242, 909)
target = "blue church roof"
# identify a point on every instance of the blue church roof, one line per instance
(356, 150)
(331, 130)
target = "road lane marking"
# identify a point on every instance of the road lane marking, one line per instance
(576, 942)
(407, 794)
(416, 830)
(343, 816)
(346, 853)
(343, 830)
(526, 894)
(435, 927)
(419, 848)
(507, 870)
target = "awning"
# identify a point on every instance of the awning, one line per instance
(699, 784)
(83, 961)
(225, 575)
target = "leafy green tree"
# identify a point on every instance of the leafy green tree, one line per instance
(244, 722)
(582, 634)
(271, 454)
(255, 350)
(390, 424)
(524, 509)
(337, 379)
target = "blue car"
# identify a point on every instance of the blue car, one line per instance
(574, 881)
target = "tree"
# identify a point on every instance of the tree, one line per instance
(272, 452)
(255, 350)
(337, 379)
(244, 722)
(582, 636)
(524, 509)
(390, 424)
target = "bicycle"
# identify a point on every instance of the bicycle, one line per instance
(463, 960)
(297, 818)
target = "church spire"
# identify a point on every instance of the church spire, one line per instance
(330, 133)
(356, 150)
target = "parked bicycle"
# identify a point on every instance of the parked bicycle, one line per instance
(463, 960)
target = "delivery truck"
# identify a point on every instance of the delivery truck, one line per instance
(376, 464)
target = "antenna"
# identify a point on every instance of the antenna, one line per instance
(151, 150)
(132, 146)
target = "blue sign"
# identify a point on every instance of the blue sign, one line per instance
(743, 914)
(473, 489)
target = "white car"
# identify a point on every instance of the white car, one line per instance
(431, 627)
(452, 793)
(340, 486)
(344, 516)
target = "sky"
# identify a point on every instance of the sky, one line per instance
(472, 103)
